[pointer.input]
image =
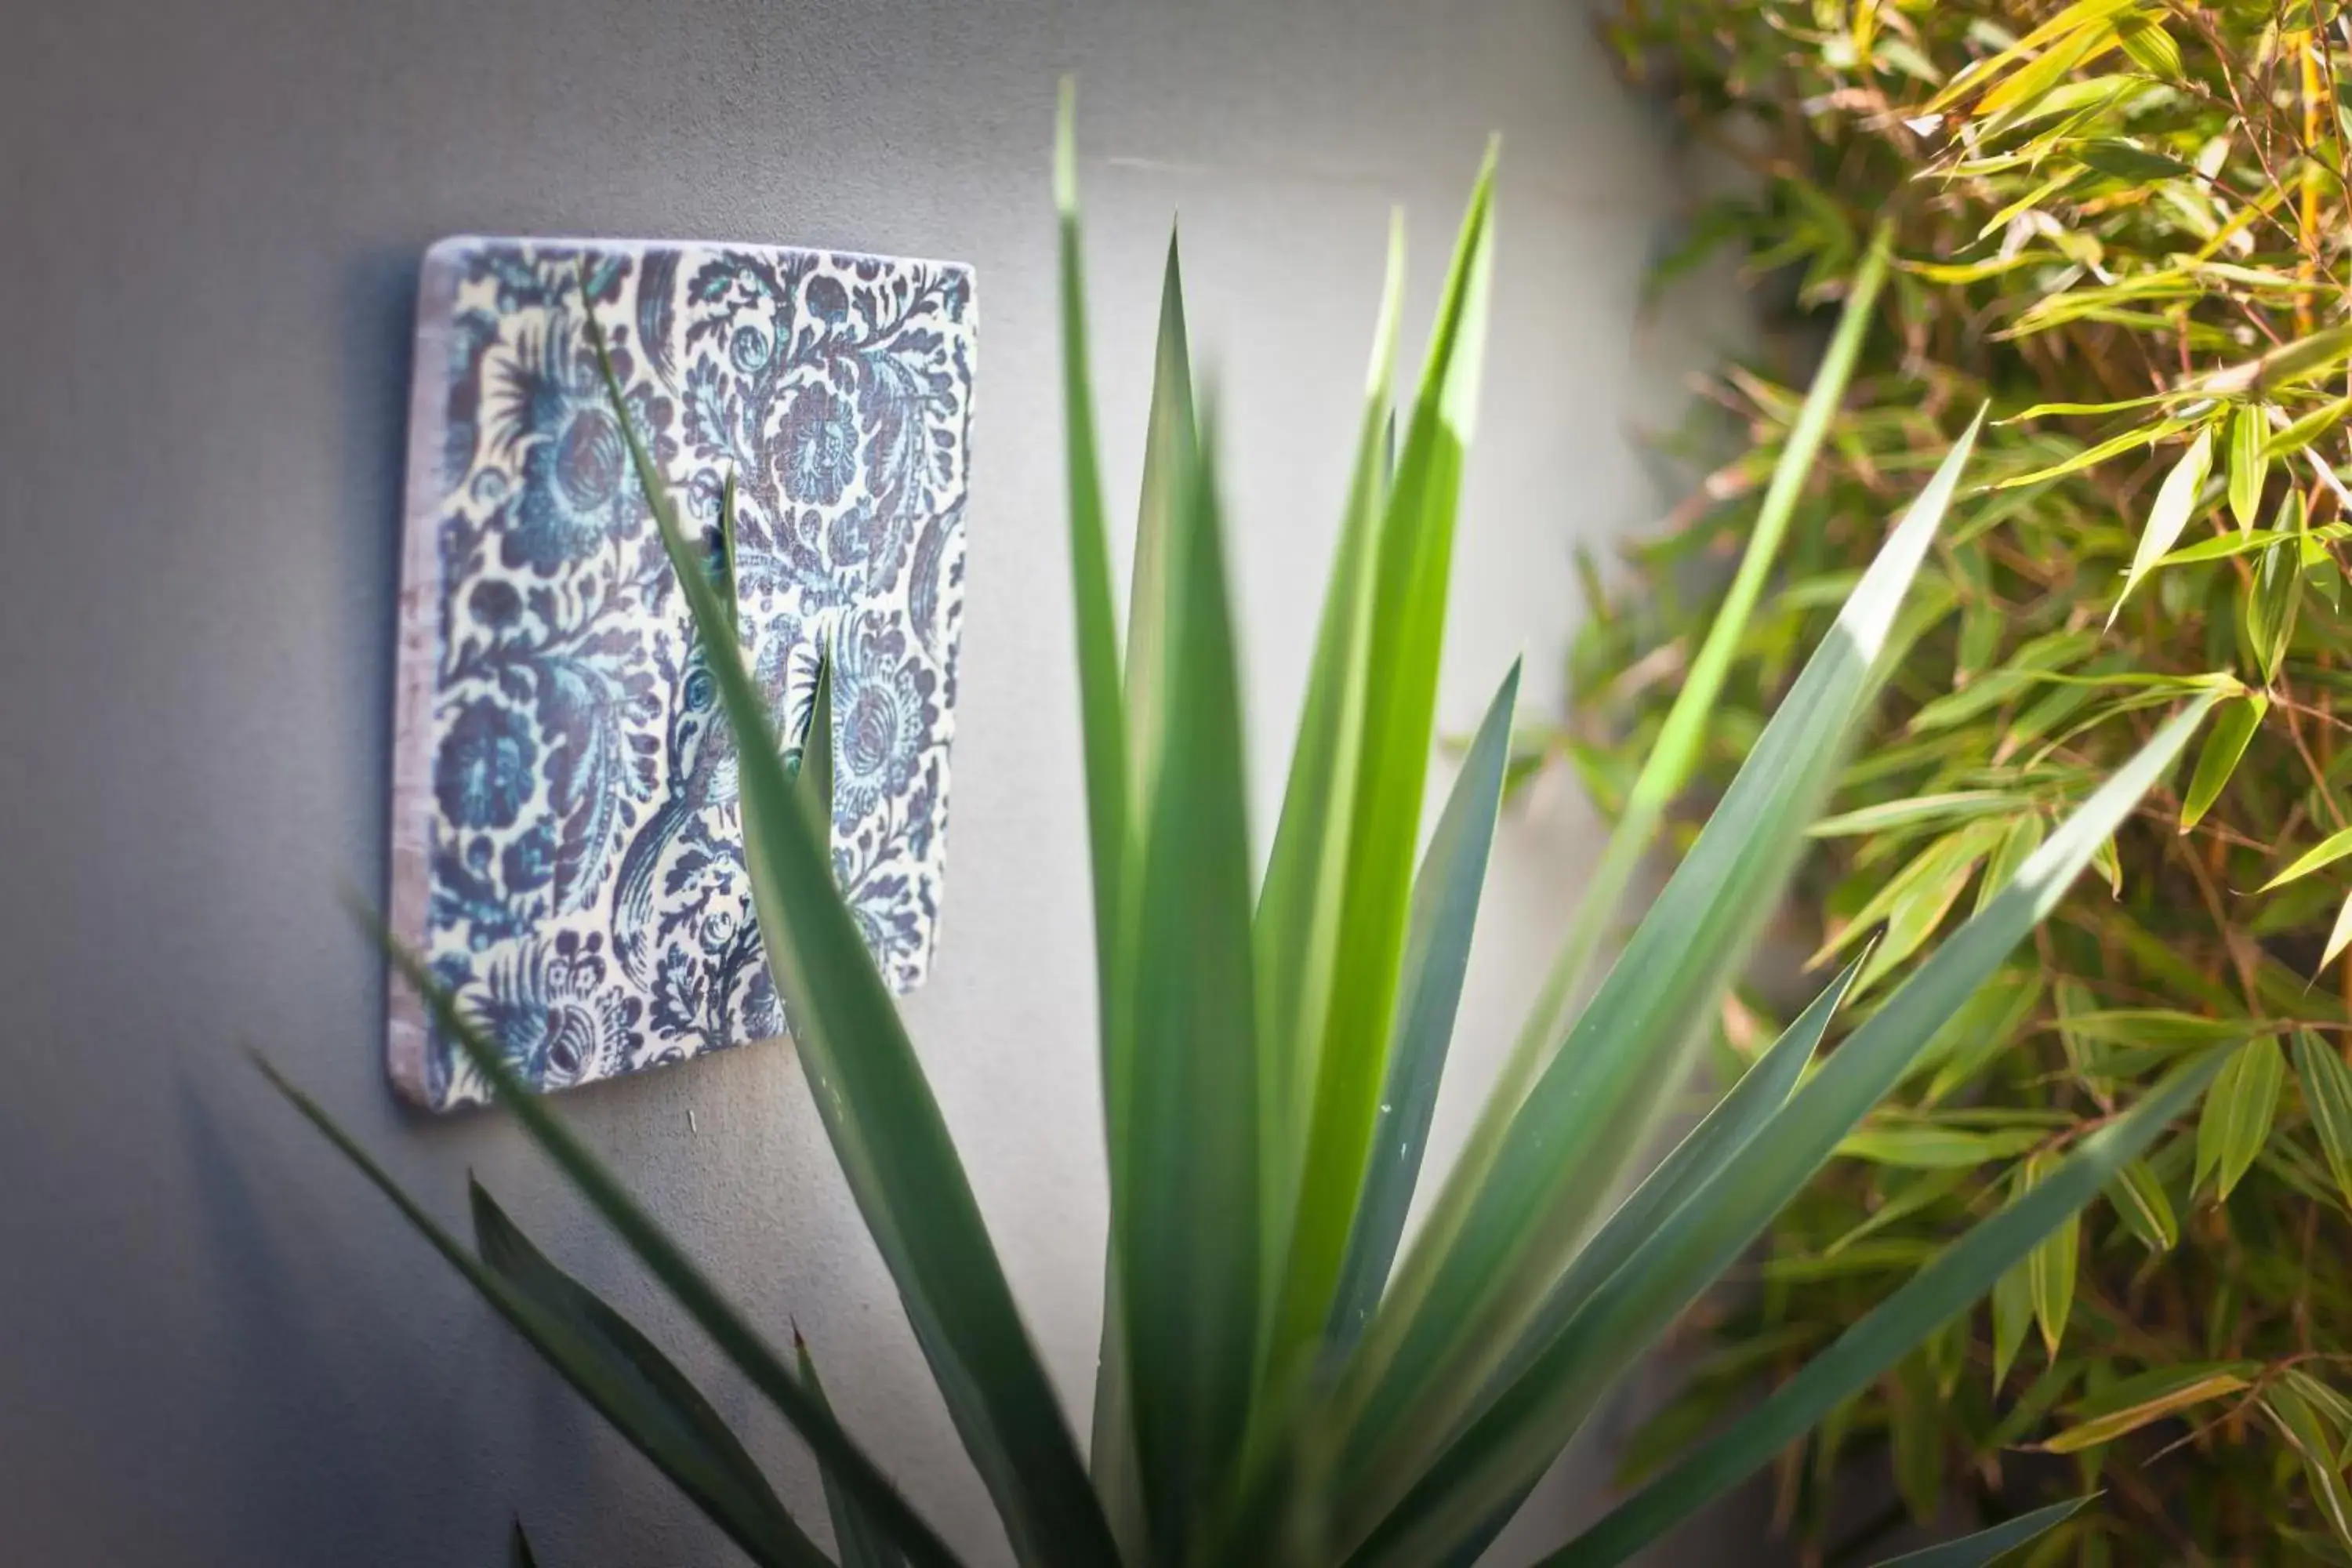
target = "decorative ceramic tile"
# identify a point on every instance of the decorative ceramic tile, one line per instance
(566, 851)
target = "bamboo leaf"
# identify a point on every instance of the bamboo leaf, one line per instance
(1952, 805)
(2327, 1095)
(2012, 1320)
(2132, 164)
(2222, 547)
(2237, 1115)
(880, 1116)
(2338, 934)
(615, 1383)
(2140, 1199)
(2139, 1401)
(518, 1549)
(2324, 420)
(2049, 1267)
(1960, 1274)
(2090, 457)
(2218, 759)
(2299, 358)
(2328, 851)
(2149, 46)
(1929, 1146)
(1437, 954)
(1985, 1545)
(2272, 603)
(2300, 1426)
(2176, 502)
(2249, 464)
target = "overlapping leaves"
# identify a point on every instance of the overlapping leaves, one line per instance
(1269, 1393)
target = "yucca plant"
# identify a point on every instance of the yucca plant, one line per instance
(1270, 1390)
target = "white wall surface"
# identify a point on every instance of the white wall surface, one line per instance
(216, 1345)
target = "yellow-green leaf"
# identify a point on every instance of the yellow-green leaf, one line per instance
(2224, 745)
(2310, 427)
(2090, 457)
(2328, 851)
(2136, 1402)
(1933, 1146)
(2237, 1115)
(2250, 464)
(2149, 46)
(2338, 934)
(2176, 502)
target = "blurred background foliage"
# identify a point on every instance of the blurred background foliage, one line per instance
(2124, 224)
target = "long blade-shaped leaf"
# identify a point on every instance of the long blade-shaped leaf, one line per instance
(1297, 928)
(2328, 1094)
(877, 1109)
(1515, 1440)
(1171, 438)
(858, 1540)
(1697, 1160)
(1957, 1277)
(640, 1409)
(813, 769)
(1102, 711)
(504, 1247)
(1189, 1250)
(1761, 1091)
(1414, 560)
(1975, 1550)
(1101, 707)
(1444, 913)
(1426, 1358)
(518, 1549)
(1665, 774)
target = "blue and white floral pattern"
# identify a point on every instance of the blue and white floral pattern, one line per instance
(566, 850)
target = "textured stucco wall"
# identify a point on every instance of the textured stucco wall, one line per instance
(215, 1346)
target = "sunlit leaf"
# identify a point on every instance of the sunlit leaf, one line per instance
(2176, 502)
(2132, 1404)
(2249, 463)
(2328, 851)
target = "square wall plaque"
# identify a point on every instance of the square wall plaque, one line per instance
(565, 849)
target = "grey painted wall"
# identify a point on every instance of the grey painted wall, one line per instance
(215, 1345)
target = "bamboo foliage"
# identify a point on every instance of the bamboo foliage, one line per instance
(2123, 224)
